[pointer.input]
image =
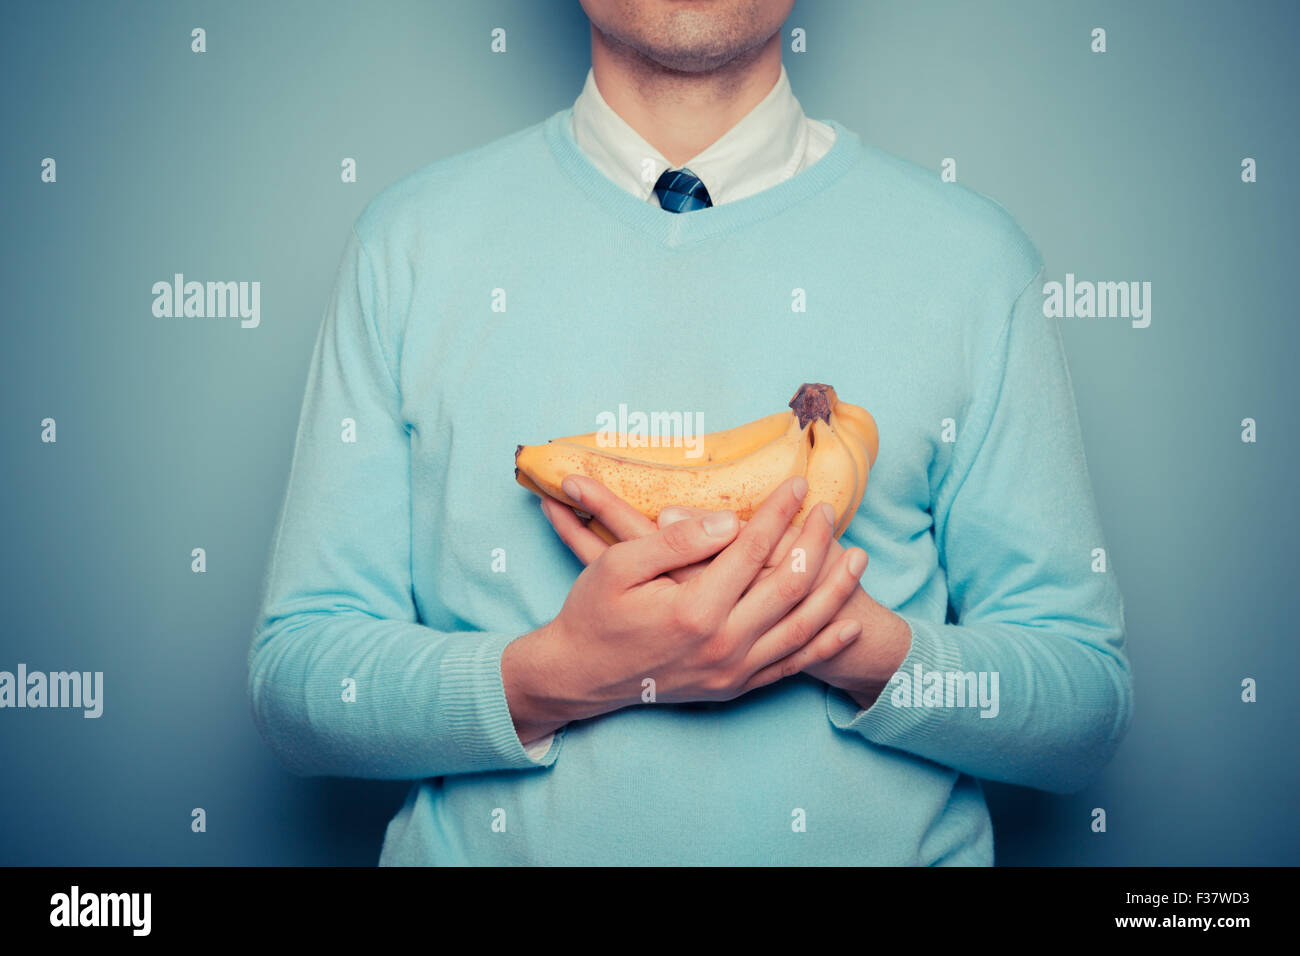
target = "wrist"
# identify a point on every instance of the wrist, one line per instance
(533, 671)
(524, 677)
(886, 641)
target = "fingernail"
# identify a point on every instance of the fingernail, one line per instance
(850, 631)
(829, 512)
(720, 524)
(857, 563)
(799, 486)
(570, 487)
(672, 515)
(546, 505)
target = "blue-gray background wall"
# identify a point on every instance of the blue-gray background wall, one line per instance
(225, 165)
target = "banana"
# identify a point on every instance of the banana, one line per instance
(860, 422)
(594, 524)
(832, 475)
(828, 474)
(831, 442)
(740, 484)
(528, 483)
(714, 447)
(839, 461)
(861, 462)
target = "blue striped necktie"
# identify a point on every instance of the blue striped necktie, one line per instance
(680, 190)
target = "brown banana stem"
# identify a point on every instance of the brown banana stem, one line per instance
(813, 401)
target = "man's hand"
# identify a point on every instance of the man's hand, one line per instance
(714, 636)
(862, 670)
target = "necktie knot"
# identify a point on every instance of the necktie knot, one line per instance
(680, 190)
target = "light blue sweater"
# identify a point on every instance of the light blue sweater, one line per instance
(406, 560)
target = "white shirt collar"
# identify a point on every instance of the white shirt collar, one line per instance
(768, 145)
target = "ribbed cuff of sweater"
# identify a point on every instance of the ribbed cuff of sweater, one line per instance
(884, 722)
(472, 711)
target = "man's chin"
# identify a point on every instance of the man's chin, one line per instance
(698, 58)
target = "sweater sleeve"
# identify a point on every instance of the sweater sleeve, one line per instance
(343, 678)
(1016, 525)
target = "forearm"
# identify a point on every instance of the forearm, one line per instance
(353, 695)
(1048, 708)
(863, 669)
(527, 674)
(546, 689)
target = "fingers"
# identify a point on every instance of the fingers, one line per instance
(728, 575)
(671, 515)
(822, 648)
(806, 621)
(676, 546)
(611, 510)
(582, 541)
(784, 546)
(602, 532)
(680, 512)
(793, 579)
(675, 513)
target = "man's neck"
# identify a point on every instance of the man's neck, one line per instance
(681, 114)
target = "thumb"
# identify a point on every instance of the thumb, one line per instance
(674, 513)
(678, 545)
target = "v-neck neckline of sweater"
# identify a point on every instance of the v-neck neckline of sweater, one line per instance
(679, 229)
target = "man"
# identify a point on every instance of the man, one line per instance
(645, 248)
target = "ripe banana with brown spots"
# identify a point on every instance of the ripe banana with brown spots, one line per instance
(831, 443)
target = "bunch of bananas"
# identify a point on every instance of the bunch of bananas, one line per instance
(831, 443)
